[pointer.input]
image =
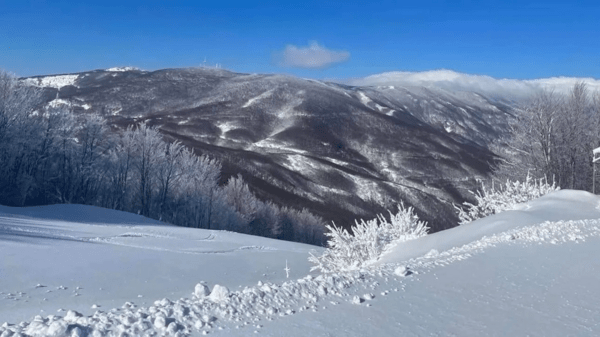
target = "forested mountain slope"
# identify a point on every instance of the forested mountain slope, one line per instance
(343, 152)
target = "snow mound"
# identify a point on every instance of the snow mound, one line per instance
(80, 213)
(201, 290)
(401, 271)
(219, 293)
(563, 205)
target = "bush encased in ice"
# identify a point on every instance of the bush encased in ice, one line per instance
(507, 197)
(370, 238)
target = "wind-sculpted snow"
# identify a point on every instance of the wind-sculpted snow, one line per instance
(216, 309)
(558, 232)
(248, 308)
(105, 262)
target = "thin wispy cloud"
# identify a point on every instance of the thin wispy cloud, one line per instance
(314, 56)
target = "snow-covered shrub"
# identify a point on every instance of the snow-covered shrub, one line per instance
(347, 252)
(507, 197)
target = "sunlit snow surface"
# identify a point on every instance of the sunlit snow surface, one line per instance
(57, 81)
(114, 257)
(258, 98)
(528, 272)
(122, 69)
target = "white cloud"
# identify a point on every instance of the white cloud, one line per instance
(451, 80)
(314, 56)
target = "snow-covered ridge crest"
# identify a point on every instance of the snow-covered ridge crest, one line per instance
(57, 81)
(556, 207)
(121, 69)
(452, 80)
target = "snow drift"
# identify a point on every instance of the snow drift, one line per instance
(495, 274)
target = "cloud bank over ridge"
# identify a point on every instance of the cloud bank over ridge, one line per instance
(486, 85)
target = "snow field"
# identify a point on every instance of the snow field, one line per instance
(221, 309)
(122, 69)
(557, 232)
(253, 308)
(58, 81)
(201, 313)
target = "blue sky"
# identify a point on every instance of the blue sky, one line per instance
(317, 39)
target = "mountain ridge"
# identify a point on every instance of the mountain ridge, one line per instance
(344, 152)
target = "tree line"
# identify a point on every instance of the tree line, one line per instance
(49, 155)
(552, 137)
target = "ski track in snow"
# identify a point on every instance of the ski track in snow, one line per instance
(53, 234)
(251, 306)
(110, 240)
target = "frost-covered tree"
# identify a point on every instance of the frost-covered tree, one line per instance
(199, 191)
(239, 196)
(268, 219)
(307, 227)
(19, 139)
(91, 135)
(553, 136)
(508, 196)
(48, 154)
(168, 173)
(579, 136)
(148, 148)
(120, 157)
(17, 105)
(368, 240)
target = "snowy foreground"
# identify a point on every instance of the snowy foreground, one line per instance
(74, 270)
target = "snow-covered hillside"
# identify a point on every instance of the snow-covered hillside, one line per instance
(531, 271)
(342, 152)
(55, 81)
